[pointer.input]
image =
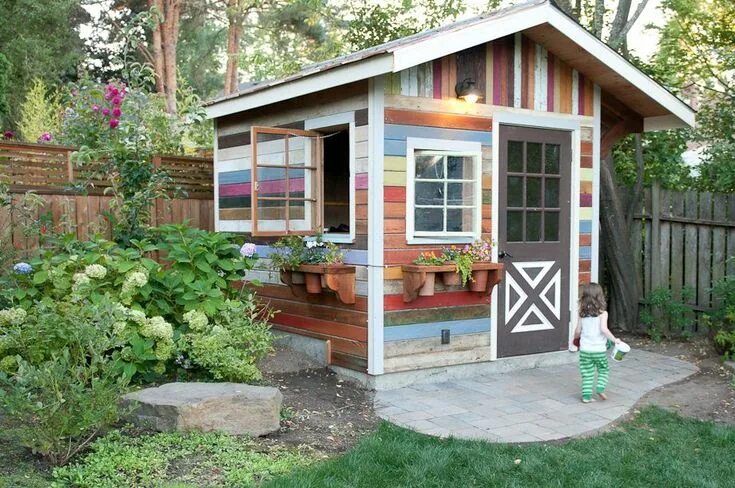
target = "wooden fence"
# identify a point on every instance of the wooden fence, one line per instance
(684, 239)
(49, 172)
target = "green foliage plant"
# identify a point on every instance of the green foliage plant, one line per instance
(663, 307)
(40, 114)
(722, 320)
(430, 259)
(60, 378)
(4, 91)
(293, 251)
(463, 258)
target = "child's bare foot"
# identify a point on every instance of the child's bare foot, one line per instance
(602, 396)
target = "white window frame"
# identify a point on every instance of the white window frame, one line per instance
(459, 148)
(345, 118)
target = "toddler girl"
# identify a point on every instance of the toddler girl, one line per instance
(593, 334)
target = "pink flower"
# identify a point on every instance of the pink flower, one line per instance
(95, 108)
(116, 112)
(116, 101)
(248, 250)
(105, 111)
(45, 137)
(8, 134)
(114, 123)
(108, 96)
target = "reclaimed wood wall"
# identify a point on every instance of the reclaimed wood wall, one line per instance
(321, 316)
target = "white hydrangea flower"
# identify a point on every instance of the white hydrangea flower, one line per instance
(158, 328)
(12, 316)
(196, 319)
(95, 271)
(80, 280)
(137, 316)
(119, 327)
(136, 279)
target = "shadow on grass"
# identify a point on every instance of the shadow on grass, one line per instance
(656, 448)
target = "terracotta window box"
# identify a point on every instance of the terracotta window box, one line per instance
(419, 279)
(339, 278)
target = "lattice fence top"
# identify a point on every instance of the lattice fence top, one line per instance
(50, 169)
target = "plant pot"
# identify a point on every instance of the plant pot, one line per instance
(313, 282)
(427, 289)
(451, 278)
(479, 280)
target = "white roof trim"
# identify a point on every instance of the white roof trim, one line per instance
(343, 75)
(451, 41)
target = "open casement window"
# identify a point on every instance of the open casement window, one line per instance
(286, 178)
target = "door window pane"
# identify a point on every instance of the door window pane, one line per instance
(552, 159)
(533, 192)
(533, 226)
(514, 225)
(551, 193)
(429, 219)
(533, 157)
(515, 156)
(429, 166)
(551, 226)
(515, 191)
(429, 193)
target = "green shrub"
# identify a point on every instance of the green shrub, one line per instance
(61, 379)
(40, 114)
(664, 314)
(200, 271)
(722, 320)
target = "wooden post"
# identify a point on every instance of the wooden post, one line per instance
(656, 280)
(154, 217)
(69, 167)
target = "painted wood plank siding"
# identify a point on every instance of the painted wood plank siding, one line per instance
(585, 206)
(321, 316)
(499, 69)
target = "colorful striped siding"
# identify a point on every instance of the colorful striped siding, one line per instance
(421, 331)
(585, 189)
(546, 82)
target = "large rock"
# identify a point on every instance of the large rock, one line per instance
(233, 408)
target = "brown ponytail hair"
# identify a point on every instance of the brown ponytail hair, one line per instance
(591, 300)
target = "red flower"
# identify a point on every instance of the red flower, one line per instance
(8, 134)
(114, 123)
(44, 229)
(116, 101)
(116, 112)
(105, 111)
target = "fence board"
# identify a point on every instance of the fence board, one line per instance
(691, 243)
(677, 246)
(704, 273)
(719, 244)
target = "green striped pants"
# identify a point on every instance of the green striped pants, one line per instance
(589, 362)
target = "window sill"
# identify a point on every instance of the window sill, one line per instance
(440, 240)
(337, 239)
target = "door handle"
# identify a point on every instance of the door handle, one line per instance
(504, 254)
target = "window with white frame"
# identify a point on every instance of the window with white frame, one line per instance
(443, 190)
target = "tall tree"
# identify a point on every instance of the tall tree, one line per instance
(40, 40)
(165, 39)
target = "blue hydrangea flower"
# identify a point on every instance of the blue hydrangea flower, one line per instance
(23, 268)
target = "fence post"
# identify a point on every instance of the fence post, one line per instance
(69, 167)
(154, 218)
(655, 235)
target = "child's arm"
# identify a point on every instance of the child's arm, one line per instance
(578, 329)
(605, 331)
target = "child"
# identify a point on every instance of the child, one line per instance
(593, 334)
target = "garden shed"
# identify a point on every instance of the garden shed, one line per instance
(493, 127)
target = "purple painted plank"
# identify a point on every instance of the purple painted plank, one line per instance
(361, 181)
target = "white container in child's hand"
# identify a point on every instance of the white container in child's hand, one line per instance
(619, 351)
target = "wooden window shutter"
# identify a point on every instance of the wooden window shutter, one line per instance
(287, 191)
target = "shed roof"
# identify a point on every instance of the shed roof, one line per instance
(540, 20)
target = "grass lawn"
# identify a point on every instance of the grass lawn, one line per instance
(657, 448)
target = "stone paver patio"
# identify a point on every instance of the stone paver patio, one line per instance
(529, 405)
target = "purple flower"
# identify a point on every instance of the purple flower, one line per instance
(248, 250)
(23, 268)
(108, 96)
(105, 111)
(114, 123)
(45, 137)
(116, 101)
(8, 134)
(116, 112)
(95, 108)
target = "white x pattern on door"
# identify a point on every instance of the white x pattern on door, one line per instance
(533, 274)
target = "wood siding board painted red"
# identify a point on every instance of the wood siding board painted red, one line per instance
(497, 72)
(436, 119)
(580, 98)
(437, 82)
(322, 326)
(448, 299)
(550, 83)
(394, 194)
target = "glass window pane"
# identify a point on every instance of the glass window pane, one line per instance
(514, 226)
(552, 159)
(272, 215)
(551, 193)
(551, 226)
(460, 193)
(271, 182)
(429, 219)
(459, 219)
(533, 157)
(429, 167)
(515, 156)
(533, 192)
(271, 148)
(297, 149)
(533, 226)
(296, 183)
(460, 167)
(296, 209)
(429, 193)
(515, 191)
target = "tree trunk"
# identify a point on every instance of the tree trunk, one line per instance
(598, 19)
(234, 31)
(616, 247)
(165, 40)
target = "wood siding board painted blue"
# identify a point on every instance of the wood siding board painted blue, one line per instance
(423, 331)
(394, 148)
(585, 252)
(585, 226)
(400, 132)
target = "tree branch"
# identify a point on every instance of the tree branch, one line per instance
(621, 35)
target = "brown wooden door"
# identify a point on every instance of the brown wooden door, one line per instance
(533, 240)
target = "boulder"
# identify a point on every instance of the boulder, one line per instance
(232, 408)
